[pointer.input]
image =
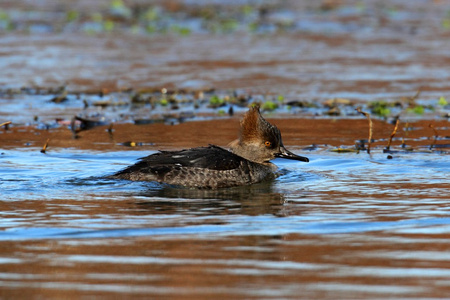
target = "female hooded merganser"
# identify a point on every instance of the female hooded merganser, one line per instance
(214, 167)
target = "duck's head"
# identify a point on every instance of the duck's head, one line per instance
(260, 141)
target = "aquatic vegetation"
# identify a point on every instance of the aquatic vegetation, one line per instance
(172, 107)
(381, 108)
(119, 9)
(108, 25)
(215, 101)
(5, 21)
(420, 109)
(72, 16)
(185, 18)
(183, 31)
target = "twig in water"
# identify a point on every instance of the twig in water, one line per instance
(435, 136)
(393, 134)
(44, 148)
(110, 131)
(406, 129)
(411, 101)
(367, 115)
(416, 95)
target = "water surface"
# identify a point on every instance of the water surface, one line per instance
(345, 225)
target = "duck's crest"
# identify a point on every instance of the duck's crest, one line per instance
(255, 127)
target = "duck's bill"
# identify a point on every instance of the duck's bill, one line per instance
(289, 155)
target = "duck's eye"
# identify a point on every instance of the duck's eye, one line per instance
(268, 144)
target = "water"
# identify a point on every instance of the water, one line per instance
(345, 225)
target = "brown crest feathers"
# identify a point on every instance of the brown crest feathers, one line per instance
(250, 124)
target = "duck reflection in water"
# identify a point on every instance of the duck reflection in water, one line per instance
(258, 199)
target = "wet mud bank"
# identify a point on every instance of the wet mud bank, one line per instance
(308, 66)
(345, 135)
(322, 49)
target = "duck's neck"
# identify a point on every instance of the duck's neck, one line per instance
(247, 151)
(237, 148)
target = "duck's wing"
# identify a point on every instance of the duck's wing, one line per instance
(212, 158)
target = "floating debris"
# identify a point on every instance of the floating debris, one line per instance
(441, 146)
(334, 111)
(345, 150)
(300, 103)
(337, 101)
(86, 124)
(135, 144)
(110, 128)
(231, 111)
(62, 97)
(107, 103)
(79, 124)
(5, 125)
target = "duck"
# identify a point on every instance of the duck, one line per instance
(246, 161)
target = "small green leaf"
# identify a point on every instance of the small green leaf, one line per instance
(383, 111)
(184, 31)
(151, 14)
(72, 15)
(108, 25)
(269, 106)
(380, 108)
(117, 4)
(164, 102)
(150, 29)
(97, 17)
(247, 10)
(215, 101)
(229, 25)
(4, 16)
(442, 101)
(419, 109)
(253, 27)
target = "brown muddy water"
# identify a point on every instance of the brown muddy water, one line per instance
(346, 225)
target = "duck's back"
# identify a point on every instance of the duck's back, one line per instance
(204, 167)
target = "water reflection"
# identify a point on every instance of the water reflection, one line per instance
(258, 199)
